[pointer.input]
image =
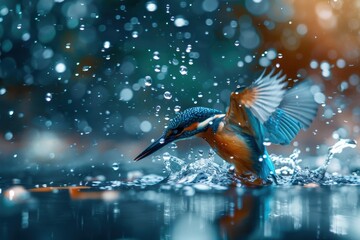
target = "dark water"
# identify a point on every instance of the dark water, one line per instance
(273, 212)
(197, 200)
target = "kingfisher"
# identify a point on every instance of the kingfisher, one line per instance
(266, 111)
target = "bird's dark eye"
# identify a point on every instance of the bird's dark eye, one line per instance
(177, 130)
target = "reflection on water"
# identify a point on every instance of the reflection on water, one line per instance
(237, 213)
(198, 200)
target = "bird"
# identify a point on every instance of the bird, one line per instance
(266, 111)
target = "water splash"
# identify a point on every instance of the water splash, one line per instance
(287, 166)
(205, 174)
(335, 149)
(339, 147)
(299, 176)
(205, 171)
(288, 170)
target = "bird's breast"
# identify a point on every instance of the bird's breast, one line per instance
(231, 146)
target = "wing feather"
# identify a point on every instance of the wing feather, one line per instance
(295, 112)
(253, 106)
(262, 97)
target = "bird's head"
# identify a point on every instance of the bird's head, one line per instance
(185, 125)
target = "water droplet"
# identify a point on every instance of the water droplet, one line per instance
(148, 81)
(151, 6)
(175, 61)
(183, 70)
(126, 94)
(2, 91)
(145, 126)
(166, 156)
(314, 64)
(135, 34)
(48, 97)
(240, 64)
(19, 26)
(180, 22)
(11, 112)
(271, 54)
(60, 67)
(167, 95)
(8, 136)
(156, 55)
(340, 63)
(177, 108)
(86, 68)
(67, 45)
(237, 43)
(267, 144)
(106, 44)
(158, 107)
(157, 68)
(115, 166)
(200, 95)
(211, 153)
(201, 153)
(248, 59)
(162, 141)
(319, 97)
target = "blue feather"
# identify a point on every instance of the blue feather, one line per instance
(296, 111)
(265, 167)
(281, 128)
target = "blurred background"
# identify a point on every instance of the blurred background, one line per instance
(86, 84)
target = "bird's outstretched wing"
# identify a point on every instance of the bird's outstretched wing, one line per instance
(296, 111)
(259, 100)
(251, 107)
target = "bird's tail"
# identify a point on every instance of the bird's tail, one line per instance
(268, 167)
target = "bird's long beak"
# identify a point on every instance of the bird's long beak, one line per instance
(161, 142)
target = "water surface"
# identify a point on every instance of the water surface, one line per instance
(296, 212)
(198, 200)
